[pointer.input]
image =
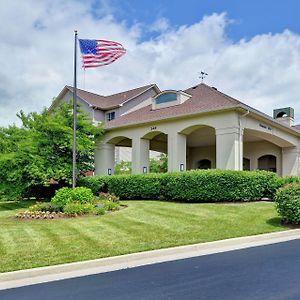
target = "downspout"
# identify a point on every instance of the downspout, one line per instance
(241, 138)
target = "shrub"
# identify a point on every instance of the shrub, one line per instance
(96, 183)
(108, 196)
(66, 195)
(196, 185)
(135, 186)
(219, 185)
(287, 201)
(77, 208)
(46, 206)
(100, 211)
(110, 205)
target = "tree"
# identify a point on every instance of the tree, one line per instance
(40, 150)
(123, 167)
(159, 165)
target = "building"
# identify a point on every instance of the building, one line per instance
(102, 109)
(198, 128)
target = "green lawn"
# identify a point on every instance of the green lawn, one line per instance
(144, 225)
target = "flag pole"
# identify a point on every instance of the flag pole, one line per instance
(74, 112)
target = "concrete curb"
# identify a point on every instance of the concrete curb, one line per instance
(78, 269)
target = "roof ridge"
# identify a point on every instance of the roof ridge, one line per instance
(144, 86)
(71, 87)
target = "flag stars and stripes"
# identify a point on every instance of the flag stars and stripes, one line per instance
(97, 53)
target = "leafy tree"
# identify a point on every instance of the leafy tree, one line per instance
(123, 167)
(159, 165)
(41, 150)
(156, 165)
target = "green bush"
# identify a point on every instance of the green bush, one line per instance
(109, 197)
(219, 185)
(99, 211)
(110, 205)
(77, 208)
(135, 186)
(287, 201)
(66, 195)
(195, 186)
(46, 206)
(97, 184)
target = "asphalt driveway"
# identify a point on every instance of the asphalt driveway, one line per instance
(265, 272)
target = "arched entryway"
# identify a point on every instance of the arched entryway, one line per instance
(200, 147)
(267, 163)
(204, 164)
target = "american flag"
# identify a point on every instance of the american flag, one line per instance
(98, 53)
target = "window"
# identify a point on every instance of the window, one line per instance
(167, 97)
(111, 115)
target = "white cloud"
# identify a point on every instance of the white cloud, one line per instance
(36, 56)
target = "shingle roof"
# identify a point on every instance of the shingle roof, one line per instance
(204, 98)
(111, 101)
(296, 127)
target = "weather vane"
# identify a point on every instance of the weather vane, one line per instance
(202, 76)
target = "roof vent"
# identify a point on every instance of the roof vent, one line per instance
(214, 88)
(284, 115)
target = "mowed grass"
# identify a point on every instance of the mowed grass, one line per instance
(143, 225)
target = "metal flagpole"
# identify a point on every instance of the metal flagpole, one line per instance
(74, 113)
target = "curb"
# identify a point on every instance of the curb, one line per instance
(77, 269)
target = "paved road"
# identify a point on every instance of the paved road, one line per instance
(268, 272)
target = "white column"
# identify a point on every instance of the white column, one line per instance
(176, 152)
(290, 161)
(140, 156)
(229, 149)
(105, 159)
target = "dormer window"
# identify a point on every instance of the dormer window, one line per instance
(111, 115)
(169, 98)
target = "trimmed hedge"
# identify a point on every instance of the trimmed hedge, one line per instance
(287, 201)
(193, 186)
(96, 183)
(219, 185)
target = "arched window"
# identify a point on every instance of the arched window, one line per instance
(166, 97)
(267, 163)
(204, 164)
(246, 164)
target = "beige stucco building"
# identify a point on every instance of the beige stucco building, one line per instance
(198, 128)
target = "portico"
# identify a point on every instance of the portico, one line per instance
(228, 136)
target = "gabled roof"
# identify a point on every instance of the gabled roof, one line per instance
(203, 99)
(111, 101)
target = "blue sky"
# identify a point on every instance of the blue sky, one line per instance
(249, 17)
(250, 49)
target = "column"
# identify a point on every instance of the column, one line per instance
(105, 159)
(290, 161)
(140, 156)
(229, 149)
(176, 152)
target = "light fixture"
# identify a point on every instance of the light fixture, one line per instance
(144, 170)
(181, 167)
(109, 171)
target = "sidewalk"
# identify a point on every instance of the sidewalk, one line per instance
(78, 269)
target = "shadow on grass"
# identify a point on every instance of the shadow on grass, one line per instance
(276, 222)
(13, 205)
